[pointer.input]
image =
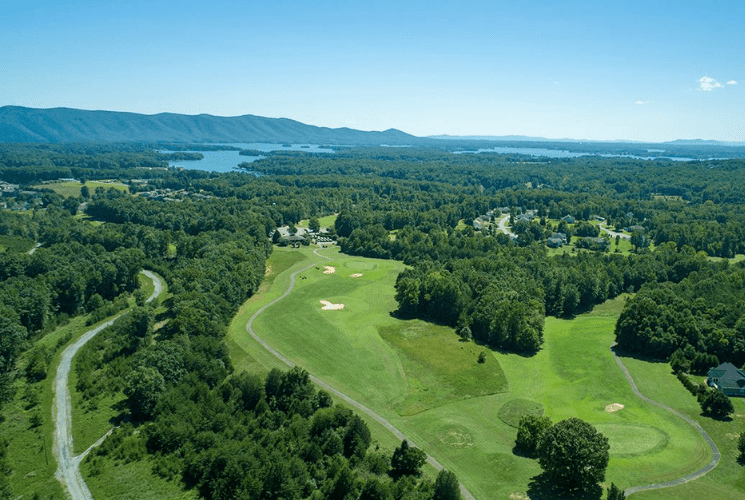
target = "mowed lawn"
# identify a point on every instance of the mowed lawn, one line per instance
(72, 188)
(428, 384)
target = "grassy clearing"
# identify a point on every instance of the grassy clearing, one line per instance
(439, 368)
(131, 481)
(325, 222)
(399, 367)
(72, 188)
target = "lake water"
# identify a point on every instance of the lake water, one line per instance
(559, 153)
(228, 161)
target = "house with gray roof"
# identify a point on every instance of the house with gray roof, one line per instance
(727, 379)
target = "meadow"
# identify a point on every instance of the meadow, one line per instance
(429, 384)
(72, 188)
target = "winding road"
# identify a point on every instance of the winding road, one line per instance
(715, 455)
(68, 471)
(377, 417)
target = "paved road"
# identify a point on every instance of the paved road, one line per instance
(715, 455)
(68, 471)
(31, 252)
(503, 226)
(377, 417)
(613, 234)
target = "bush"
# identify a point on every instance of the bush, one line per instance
(716, 404)
(689, 384)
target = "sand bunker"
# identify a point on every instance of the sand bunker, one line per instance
(355, 275)
(329, 269)
(614, 407)
(328, 306)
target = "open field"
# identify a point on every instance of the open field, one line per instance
(72, 188)
(327, 221)
(406, 371)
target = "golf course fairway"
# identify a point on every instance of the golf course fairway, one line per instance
(427, 383)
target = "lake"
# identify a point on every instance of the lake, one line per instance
(228, 161)
(559, 153)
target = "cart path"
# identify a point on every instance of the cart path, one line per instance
(377, 417)
(715, 455)
(68, 471)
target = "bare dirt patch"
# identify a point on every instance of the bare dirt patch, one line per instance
(329, 269)
(614, 407)
(328, 306)
(355, 275)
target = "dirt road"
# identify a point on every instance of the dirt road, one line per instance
(68, 471)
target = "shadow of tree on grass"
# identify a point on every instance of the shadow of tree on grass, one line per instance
(542, 488)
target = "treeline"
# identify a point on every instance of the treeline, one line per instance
(228, 435)
(499, 293)
(696, 323)
(40, 291)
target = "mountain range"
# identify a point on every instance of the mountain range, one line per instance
(21, 124)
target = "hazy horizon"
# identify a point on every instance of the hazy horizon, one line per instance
(628, 71)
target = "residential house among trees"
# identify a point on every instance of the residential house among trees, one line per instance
(727, 379)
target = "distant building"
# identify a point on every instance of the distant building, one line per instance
(555, 242)
(568, 219)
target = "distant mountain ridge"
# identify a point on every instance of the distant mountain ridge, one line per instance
(21, 124)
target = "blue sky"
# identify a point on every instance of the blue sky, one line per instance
(638, 70)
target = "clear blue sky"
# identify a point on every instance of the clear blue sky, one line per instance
(639, 70)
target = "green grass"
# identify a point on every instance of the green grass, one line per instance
(317, 339)
(727, 480)
(390, 364)
(438, 367)
(511, 412)
(327, 221)
(72, 188)
(131, 481)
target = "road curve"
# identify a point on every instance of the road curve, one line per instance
(715, 455)
(377, 417)
(68, 471)
(503, 226)
(613, 234)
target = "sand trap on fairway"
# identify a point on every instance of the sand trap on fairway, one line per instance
(355, 275)
(614, 407)
(329, 269)
(328, 306)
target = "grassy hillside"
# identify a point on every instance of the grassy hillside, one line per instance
(428, 385)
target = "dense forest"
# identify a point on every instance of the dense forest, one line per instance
(233, 435)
